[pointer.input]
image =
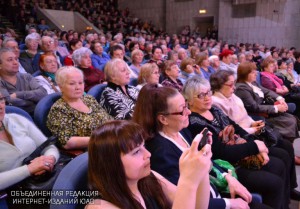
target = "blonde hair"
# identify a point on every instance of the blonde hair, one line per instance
(61, 74)
(145, 72)
(111, 68)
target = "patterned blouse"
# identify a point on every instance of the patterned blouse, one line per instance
(117, 103)
(170, 83)
(65, 121)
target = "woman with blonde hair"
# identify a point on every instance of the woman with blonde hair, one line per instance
(73, 117)
(149, 74)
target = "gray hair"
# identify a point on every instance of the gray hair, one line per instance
(79, 53)
(89, 36)
(111, 68)
(212, 58)
(5, 50)
(192, 87)
(61, 74)
(32, 36)
(8, 39)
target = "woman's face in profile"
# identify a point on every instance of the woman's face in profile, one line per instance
(228, 87)
(154, 77)
(136, 163)
(251, 76)
(177, 114)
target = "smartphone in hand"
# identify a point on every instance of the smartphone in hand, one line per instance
(204, 139)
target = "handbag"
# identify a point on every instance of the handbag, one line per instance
(44, 181)
(229, 137)
(269, 100)
(269, 135)
(216, 177)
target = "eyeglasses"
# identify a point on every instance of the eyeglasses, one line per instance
(2, 100)
(229, 85)
(203, 95)
(183, 112)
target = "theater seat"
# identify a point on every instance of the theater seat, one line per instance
(71, 180)
(19, 111)
(36, 73)
(96, 91)
(133, 82)
(42, 110)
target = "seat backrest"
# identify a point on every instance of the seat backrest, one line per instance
(258, 78)
(42, 110)
(96, 91)
(36, 73)
(72, 178)
(133, 82)
(19, 111)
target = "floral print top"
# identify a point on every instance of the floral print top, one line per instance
(117, 103)
(65, 121)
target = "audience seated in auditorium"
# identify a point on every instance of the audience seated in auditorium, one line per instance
(165, 125)
(269, 177)
(253, 97)
(74, 116)
(82, 60)
(19, 89)
(48, 66)
(118, 98)
(123, 141)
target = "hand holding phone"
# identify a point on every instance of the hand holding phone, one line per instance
(204, 139)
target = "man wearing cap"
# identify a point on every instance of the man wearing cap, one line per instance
(225, 61)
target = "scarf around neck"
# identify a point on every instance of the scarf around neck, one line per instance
(277, 81)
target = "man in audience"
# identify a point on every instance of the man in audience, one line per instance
(24, 65)
(19, 89)
(47, 47)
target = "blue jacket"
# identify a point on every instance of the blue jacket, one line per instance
(100, 62)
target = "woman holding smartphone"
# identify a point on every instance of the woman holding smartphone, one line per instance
(163, 114)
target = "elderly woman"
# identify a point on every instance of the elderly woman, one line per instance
(82, 60)
(205, 67)
(171, 73)
(118, 98)
(165, 124)
(136, 186)
(214, 62)
(137, 57)
(26, 57)
(269, 80)
(48, 66)
(149, 74)
(73, 117)
(32, 43)
(19, 137)
(271, 176)
(253, 97)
